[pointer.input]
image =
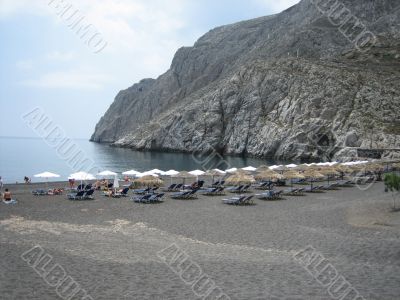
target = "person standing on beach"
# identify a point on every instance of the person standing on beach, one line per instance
(1, 183)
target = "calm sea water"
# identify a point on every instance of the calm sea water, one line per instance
(21, 157)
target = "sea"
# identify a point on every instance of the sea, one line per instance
(21, 157)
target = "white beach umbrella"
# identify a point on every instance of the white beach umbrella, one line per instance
(171, 173)
(249, 168)
(197, 172)
(107, 174)
(232, 170)
(157, 171)
(82, 176)
(275, 167)
(148, 173)
(46, 175)
(220, 171)
(131, 173)
(291, 166)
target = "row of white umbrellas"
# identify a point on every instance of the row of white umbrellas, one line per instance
(156, 172)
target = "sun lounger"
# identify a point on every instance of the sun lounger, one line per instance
(332, 186)
(270, 195)
(40, 192)
(142, 199)
(235, 189)
(242, 200)
(176, 188)
(234, 201)
(218, 183)
(315, 189)
(248, 200)
(345, 183)
(240, 189)
(142, 191)
(171, 188)
(156, 198)
(88, 195)
(294, 192)
(262, 186)
(185, 195)
(218, 191)
(77, 196)
(124, 192)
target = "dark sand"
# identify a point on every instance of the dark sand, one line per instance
(109, 246)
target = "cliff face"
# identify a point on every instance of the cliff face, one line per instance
(287, 86)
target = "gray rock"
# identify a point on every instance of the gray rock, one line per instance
(352, 140)
(288, 86)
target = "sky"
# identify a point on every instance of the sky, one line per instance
(46, 63)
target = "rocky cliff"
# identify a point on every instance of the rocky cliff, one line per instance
(300, 85)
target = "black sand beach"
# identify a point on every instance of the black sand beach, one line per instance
(109, 246)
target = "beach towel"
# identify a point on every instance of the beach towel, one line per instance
(10, 201)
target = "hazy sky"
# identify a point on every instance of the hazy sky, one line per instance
(45, 64)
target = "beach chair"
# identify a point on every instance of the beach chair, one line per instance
(88, 187)
(270, 195)
(248, 200)
(80, 187)
(192, 195)
(218, 183)
(234, 201)
(76, 196)
(171, 188)
(332, 186)
(261, 186)
(245, 189)
(315, 189)
(88, 195)
(180, 195)
(142, 191)
(345, 183)
(142, 199)
(156, 198)
(185, 195)
(220, 191)
(39, 192)
(235, 189)
(291, 192)
(209, 192)
(281, 182)
(124, 192)
(177, 188)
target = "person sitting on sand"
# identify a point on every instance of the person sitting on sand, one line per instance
(97, 185)
(55, 191)
(109, 193)
(7, 198)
